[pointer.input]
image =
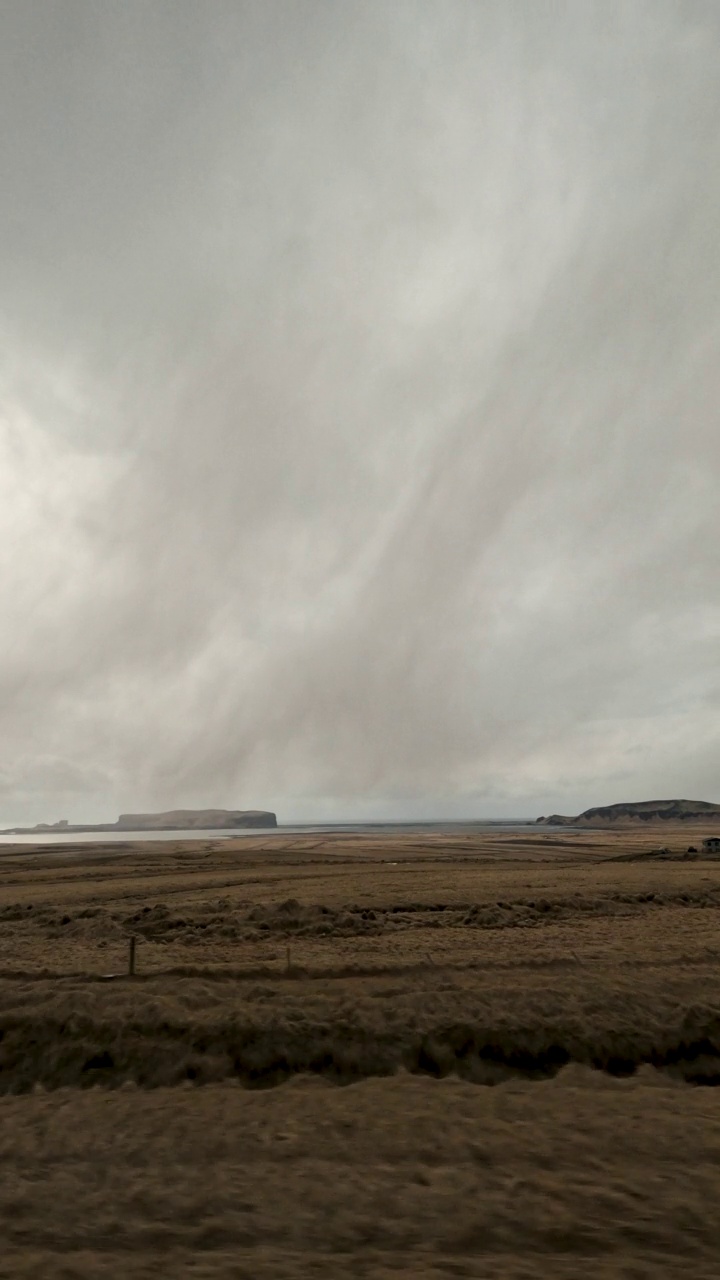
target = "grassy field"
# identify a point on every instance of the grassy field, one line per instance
(572, 970)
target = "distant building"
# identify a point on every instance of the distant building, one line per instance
(711, 845)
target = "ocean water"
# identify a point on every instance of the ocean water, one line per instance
(109, 837)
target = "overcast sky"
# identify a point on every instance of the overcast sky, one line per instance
(359, 405)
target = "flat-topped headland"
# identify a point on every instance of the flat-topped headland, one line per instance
(170, 820)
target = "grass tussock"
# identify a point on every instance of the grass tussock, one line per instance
(262, 1034)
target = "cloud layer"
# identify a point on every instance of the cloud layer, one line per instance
(359, 377)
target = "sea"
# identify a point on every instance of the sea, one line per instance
(109, 837)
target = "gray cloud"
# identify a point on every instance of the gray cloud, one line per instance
(358, 441)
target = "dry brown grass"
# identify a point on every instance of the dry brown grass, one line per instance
(478, 960)
(401, 1177)
(349, 900)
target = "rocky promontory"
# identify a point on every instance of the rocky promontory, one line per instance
(196, 819)
(655, 811)
(171, 820)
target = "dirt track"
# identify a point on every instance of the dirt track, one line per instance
(440, 965)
